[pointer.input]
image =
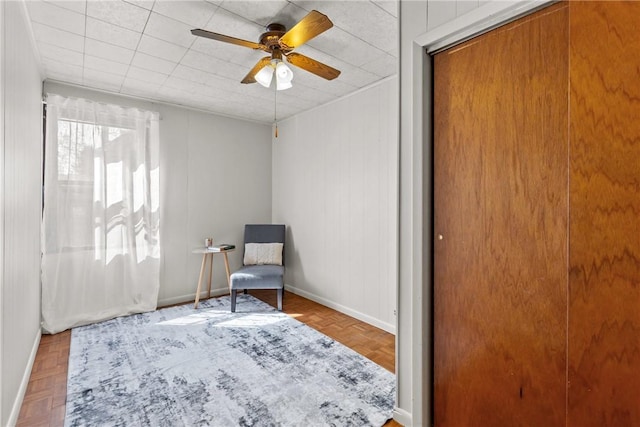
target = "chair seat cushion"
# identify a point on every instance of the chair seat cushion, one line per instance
(258, 277)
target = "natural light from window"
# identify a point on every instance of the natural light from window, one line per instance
(90, 165)
(249, 320)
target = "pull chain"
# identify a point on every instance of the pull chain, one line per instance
(275, 106)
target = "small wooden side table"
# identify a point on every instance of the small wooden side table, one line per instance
(209, 253)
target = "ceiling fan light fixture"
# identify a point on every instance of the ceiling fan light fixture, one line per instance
(283, 72)
(265, 75)
(283, 85)
(284, 75)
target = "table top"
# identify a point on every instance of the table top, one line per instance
(211, 250)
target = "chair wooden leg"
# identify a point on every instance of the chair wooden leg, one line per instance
(280, 297)
(234, 293)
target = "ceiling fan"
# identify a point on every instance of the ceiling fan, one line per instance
(280, 43)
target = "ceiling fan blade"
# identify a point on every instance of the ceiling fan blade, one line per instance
(310, 26)
(251, 77)
(227, 39)
(313, 66)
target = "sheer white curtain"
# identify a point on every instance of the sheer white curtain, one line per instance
(101, 254)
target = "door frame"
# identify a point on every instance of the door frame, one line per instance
(418, 140)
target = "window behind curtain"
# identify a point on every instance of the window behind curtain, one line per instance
(101, 212)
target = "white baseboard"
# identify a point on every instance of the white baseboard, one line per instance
(17, 404)
(192, 297)
(225, 291)
(402, 417)
(346, 310)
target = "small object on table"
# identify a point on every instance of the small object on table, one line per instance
(209, 252)
(221, 247)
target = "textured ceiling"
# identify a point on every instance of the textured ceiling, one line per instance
(145, 49)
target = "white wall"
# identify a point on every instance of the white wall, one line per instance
(2, 138)
(433, 24)
(215, 176)
(412, 396)
(21, 183)
(335, 187)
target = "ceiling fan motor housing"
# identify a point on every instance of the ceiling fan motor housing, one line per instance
(271, 38)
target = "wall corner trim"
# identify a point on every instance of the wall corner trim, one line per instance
(17, 403)
(387, 327)
(401, 416)
(32, 39)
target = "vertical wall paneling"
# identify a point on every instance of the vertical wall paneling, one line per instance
(229, 185)
(215, 176)
(604, 317)
(175, 241)
(500, 182)
(22, 207)
(2, 102)
(464, 6)
(389, 189)
(440, 12)
(334, 185)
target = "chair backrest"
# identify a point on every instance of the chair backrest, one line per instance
(265, 233)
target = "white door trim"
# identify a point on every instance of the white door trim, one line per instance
(481, 20)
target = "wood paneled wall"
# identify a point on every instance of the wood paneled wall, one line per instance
(604, 256)
(537, 200)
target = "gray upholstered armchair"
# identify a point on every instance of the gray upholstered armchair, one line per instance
(263, 261)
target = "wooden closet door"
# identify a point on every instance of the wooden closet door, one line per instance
(604, 316)
(500, 254)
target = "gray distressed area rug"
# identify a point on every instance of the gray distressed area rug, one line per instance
(209, 367)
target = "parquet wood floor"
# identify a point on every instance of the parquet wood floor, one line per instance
(44, 402)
